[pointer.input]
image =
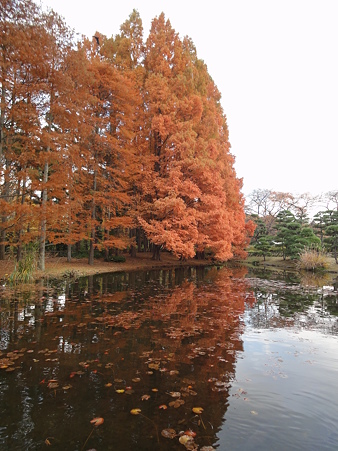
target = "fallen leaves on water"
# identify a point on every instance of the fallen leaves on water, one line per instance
(163, 407)
(197, 410)
(97, 421)
(168, 433)
(184, 439)
(135, 411)
(177, 403)
(190, 433)
(188, 442)
(173, 372)
(121, 390)
(145, 397)
(175, 394)
(48, 441)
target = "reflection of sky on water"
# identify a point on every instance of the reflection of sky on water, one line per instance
(289, 377)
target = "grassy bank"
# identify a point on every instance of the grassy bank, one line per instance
(58, 266)
(285, 265)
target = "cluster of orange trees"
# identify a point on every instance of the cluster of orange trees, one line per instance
(118, 142)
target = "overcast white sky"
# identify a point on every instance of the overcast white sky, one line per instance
(275, 63)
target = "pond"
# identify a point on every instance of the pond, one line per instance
(188, 358)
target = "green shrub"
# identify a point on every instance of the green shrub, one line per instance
(117, 258)
(25, 268)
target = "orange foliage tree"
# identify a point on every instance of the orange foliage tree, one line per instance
(112, 142)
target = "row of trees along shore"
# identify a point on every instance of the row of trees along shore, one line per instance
(112, 144)
(288, 224)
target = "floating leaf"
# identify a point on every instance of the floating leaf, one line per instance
(154, 366)
(154, 390)
(97, 421)
(177, 403)
(175, 394)
(136, 379)
(197, 410)
(109, 384)
(190, 433)
(145, 397)
(67, 387)
(121, 390)
(173, 372)
(135, 411)
(184, 439)
(163, 407)
(168, 433)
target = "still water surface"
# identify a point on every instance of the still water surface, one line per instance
(259, 356)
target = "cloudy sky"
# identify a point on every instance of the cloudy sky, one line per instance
(275, 63)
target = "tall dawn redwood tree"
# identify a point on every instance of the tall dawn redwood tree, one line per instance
(192, 200)
(109, 146)
(57, 42)
(168, 216)
(22, 79)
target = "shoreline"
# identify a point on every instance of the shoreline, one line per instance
(57, 267)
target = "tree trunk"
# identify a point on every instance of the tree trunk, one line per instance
(69, 253)
(5, 196)
(43, 224)
(200, 255)
(138, 239)
(2, 138)
(20, 232)
(91, 248)
(92, 239)
(132, 234)
(156, 252)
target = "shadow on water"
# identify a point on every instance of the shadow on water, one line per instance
(162, 341)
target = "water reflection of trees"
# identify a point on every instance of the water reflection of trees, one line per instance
(292, 305)
(174, 331)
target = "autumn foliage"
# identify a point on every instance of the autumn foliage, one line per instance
(118, 142)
